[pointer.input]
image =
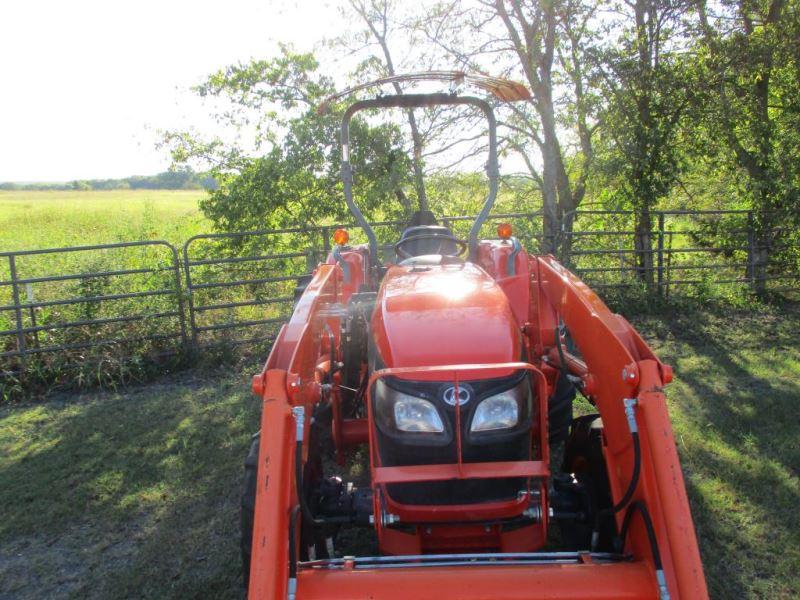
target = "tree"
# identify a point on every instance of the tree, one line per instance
(647, 80)
(749, 59)
(543, 44)
(375, 15)
(296, 181)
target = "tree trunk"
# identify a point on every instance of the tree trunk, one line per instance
(643, 244)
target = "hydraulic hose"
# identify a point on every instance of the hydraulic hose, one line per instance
(308, 516)
(562, 359)
(637, 467)
(299, 416)
(576, 381)
(293, 552)
(332, 352)
(639, 506)
(634, 482)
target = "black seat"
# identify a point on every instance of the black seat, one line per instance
(429, 245)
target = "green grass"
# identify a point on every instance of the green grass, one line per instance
(30, 219)
(136, 493)
(125, 495)
(734, 410)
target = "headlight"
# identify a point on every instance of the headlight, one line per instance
(500, 411)
(411, 414)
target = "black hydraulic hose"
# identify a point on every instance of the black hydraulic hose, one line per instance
(293, 541)
(562, 359)
(576, 381)
(634, 482)
(333, 352)
(292, 583)
(298, 478)
(637, 467)
(639, 506)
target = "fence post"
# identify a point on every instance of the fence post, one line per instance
(176, 267)
(189, 291)
(326, 241)
(660, 271)
(311, 260)
(751, 249)
(12, 267)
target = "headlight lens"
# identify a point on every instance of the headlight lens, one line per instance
(414, 414)
(411, 414)
(500, 411)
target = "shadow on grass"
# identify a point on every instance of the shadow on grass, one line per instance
(734, 409)
(154, 474)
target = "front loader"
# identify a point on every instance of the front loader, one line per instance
(449, 369)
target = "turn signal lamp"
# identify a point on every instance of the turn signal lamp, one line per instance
(341, 237)
(504, 231)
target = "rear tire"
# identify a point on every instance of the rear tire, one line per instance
(559, 410)
(249, 506)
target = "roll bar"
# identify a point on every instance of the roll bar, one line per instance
(418, 101)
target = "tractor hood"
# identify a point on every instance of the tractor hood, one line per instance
(443, 315)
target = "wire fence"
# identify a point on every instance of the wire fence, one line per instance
(147, 298)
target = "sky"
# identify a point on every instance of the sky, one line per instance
(86, 84)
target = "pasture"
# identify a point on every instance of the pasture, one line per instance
(33, 219)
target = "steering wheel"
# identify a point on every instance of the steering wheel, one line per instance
(403, 253)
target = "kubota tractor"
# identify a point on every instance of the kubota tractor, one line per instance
(452, 369)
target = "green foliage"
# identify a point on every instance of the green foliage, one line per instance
(296, 182)
(749, 123)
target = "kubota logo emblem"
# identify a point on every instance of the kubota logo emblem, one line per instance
(449, 395)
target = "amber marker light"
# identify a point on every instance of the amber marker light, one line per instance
(341, 237)
(504, 230)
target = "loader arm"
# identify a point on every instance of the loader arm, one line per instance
(619, 365)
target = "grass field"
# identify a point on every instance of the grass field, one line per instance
(31, 219)
(135, 494)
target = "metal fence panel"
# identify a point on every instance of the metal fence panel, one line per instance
(703, 248)
(82, 297)
(240, 287)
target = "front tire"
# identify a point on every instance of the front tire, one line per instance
(249, 506)
(559, 410)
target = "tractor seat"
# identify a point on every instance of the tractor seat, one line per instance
(429, 246)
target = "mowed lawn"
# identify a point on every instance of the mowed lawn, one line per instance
(135, 493)
(32, 219)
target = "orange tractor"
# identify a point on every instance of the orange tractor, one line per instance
(452, 369)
